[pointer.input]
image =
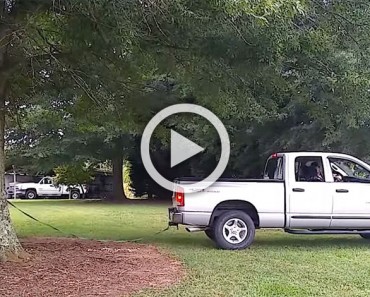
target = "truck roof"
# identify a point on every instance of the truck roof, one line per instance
(308, 153)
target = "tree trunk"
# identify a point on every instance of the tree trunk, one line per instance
(118, 192)
(10, 248)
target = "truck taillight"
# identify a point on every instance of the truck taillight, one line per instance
(180, 196)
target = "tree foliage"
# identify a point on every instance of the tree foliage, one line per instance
(281, 75)
(73, 175)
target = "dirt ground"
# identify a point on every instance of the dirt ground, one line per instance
(84, 268)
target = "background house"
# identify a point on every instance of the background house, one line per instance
(101, 186)
(20, 178)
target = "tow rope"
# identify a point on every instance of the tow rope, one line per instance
(78, 237)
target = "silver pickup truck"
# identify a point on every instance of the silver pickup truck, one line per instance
(301, 193)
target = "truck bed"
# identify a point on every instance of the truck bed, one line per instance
(267, 196)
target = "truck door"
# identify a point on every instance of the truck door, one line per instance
(47, 188)
(351, 194)
(309, 195)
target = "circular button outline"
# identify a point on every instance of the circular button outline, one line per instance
(185, 108)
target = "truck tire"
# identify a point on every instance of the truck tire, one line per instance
(234, 230)
(365, 235)
(31, 194)
(210, 233)
(75, 194)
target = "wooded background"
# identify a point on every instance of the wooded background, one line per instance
(80, 80)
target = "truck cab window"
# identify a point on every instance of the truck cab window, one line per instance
(274, 169)
(309, 169)
(348, 171)
(47, 181)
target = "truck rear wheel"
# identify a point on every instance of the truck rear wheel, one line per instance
(75, 194)
(210, 233)
(365, 235)
(234, 230)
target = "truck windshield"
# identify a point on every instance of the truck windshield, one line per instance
(274, 168)
(37, 179)
(350, 168)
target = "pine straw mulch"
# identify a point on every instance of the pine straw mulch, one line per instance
(83, 268)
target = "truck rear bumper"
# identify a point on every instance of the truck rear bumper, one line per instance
(188, 218)
(174, 217)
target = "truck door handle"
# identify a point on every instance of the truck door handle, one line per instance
(298, 190)
(341, 191)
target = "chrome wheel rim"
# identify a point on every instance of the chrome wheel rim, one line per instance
(31, 195)
(235, 231)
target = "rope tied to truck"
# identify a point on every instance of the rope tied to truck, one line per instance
(79, 237)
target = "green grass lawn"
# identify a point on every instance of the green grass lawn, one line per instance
(277, 264)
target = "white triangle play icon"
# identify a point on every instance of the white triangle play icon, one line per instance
(182, 148)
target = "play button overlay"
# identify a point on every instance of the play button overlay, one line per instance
(182, 148)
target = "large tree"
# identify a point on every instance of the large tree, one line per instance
(281, 74)
(9, 243)
(88, 103)
(60, 53)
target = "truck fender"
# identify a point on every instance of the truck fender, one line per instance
(242, 205)
(32, 189)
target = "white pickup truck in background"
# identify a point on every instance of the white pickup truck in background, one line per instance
(45, 187)
(302, 193)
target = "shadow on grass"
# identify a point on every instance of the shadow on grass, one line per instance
(272, 242)
(150, 202)
(180, 240)
(313, 241)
